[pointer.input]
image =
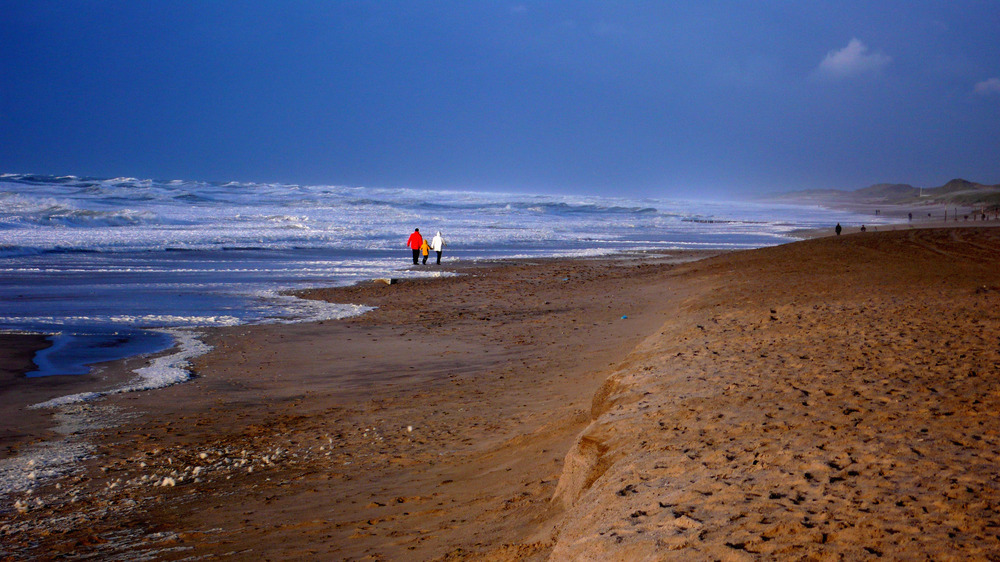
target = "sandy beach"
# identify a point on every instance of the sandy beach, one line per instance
(827, 399)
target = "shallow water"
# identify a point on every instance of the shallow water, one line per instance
(72, 354)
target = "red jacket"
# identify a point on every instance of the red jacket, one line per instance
(415, 241)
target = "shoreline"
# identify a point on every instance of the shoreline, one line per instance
(572, 311)
(576, 409)
(18, 349)
(806, 234)
(926, 216)
(37, 424)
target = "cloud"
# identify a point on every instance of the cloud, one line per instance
(852, 60)
(988, 87)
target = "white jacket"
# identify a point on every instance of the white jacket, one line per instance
(437, 243)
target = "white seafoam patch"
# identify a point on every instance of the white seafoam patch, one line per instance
(162, 371)
(56, 457)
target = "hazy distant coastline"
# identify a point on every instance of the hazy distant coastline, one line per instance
(957, 192)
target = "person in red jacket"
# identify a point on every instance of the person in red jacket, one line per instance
(414, 243)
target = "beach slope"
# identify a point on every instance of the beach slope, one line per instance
(434, 426)
(834, 398)
(831, 398)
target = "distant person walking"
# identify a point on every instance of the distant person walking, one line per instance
(414, 242)
(437, 244)
(425, 249)
(837, 230)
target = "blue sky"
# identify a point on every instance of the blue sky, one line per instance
(641, 98)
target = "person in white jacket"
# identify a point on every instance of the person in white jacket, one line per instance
(437, 244)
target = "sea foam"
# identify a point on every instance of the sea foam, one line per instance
(163, 371)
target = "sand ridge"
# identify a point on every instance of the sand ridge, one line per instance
(836, 399)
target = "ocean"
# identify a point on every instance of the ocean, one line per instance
(113, 268)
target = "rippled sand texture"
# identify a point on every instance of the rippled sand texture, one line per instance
(830, 399)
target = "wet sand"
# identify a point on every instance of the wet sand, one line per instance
(831, 398)
(22, 426)
(397, 434)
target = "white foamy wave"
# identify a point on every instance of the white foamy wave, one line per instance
(286, 221)
(135, 321)
(60, 215)
(46, 211)
(123, 214)
(294, 310)
(170, 369)
(585, 253)
(175, 320)
(163, 371)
